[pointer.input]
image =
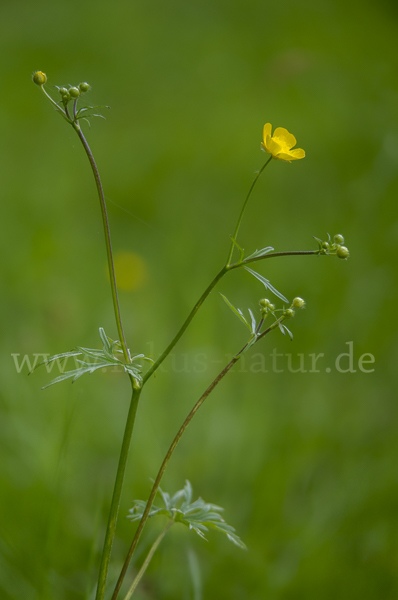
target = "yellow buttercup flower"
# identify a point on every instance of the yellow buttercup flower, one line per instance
(280, 144)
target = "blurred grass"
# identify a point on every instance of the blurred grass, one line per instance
(305, 463)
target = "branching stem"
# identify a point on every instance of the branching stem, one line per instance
(173, 446)
(203, 297)
(247, 261)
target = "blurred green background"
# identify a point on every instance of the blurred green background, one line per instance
(304, 463)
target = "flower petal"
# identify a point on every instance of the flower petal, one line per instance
(265, 144)
(273, 147)
(267, 131)
(283, 156)
(297, 153)
(291, 155)
(285, 137)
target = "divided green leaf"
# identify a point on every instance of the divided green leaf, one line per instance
(106, 357)
(198, 516)
(85, 112)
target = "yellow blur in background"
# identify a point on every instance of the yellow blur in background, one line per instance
(131, 271)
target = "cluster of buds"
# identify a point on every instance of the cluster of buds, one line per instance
(67, 94)
(266, 307)
(334, 247)
(73, 92)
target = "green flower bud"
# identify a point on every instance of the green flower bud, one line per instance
(39, 78)
(339, 239)
(265, 302)
(74, 92)
(84, 87)
(342, 252)
(325, 245)
(65, 98)
(271, 306)
(298, 303)
(289, 313)
(63, 91)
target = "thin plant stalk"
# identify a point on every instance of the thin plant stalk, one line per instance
(117, 492)
(247, 261)
(173, 446)
(105, 220)
(128, 432)
(147, 560)
(243, 210)
(104, 213)
(191, 315)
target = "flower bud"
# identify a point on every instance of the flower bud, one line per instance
(39, 78)
(63, 91)
(342, 252)
(339, 239)
(265, 303)
(74, 92)
(289, 313)
(65, 98)
(325, 245)
(298, 303)
(84, 87)
(271, 306)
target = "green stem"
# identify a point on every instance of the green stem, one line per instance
(56, 106)
(117, 491)
(247, 261)
(203, 297)
(173, 446)
(107, 232)
(147, 561)
(191, 315)
(243, 210)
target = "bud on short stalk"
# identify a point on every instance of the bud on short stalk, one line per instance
(39, 78)
(342, 252)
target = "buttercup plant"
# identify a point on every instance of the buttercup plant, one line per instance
(199, 516)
